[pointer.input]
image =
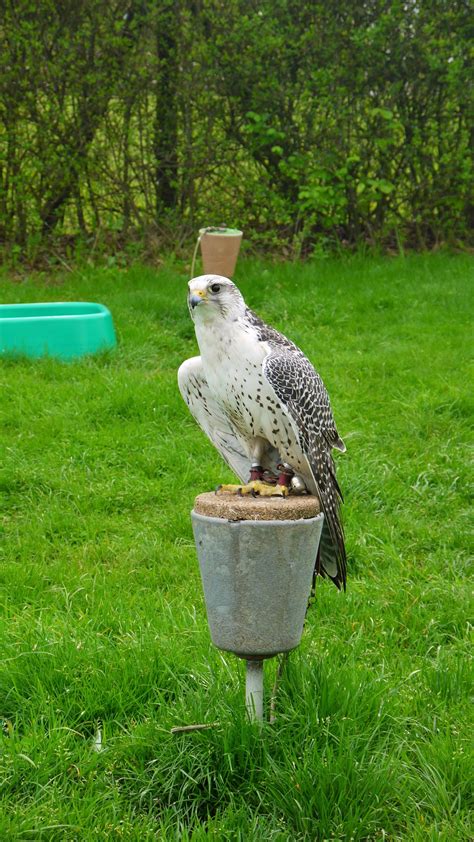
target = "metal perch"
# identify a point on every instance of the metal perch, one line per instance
(257, 558)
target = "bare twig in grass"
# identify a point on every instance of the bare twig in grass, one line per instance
(185, 729)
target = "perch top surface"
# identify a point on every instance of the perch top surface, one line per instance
(235, 508)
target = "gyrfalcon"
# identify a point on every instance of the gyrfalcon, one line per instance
(264, 407)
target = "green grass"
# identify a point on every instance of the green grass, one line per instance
(103, 617)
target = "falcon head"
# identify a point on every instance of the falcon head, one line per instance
(213, 296)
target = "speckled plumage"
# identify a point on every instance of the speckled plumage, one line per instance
(253, 391)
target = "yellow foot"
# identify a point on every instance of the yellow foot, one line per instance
(256, 488)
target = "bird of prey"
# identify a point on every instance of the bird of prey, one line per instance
(264, 407)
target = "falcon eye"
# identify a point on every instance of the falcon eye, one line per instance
(215, 288)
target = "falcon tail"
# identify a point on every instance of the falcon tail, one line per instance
(331, 558)
(331, 561)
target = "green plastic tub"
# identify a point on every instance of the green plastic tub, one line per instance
(60, 329)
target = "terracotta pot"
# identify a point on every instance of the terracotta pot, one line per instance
(219, 250)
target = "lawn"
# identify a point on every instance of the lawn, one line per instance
(103, 623)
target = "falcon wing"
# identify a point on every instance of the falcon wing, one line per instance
(202, 405)
(302, 394)
(215, 423)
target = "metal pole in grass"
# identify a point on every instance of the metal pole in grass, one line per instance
(256, 557)
(254, 690)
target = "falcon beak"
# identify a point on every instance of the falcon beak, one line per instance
(196, 298)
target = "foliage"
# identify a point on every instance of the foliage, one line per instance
(103, 623)
(313, 124)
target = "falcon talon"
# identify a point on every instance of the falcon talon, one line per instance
(228, 489)
(283, 491)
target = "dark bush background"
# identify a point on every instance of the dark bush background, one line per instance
(309, 124)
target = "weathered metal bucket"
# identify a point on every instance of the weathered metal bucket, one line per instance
(257, 578)
(256, 558)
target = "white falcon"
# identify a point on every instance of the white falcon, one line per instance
(264, 407)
